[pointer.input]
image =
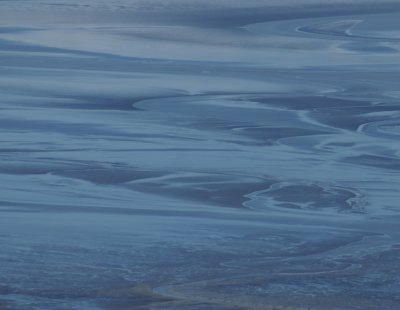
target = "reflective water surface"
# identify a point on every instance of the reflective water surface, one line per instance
(198, 155)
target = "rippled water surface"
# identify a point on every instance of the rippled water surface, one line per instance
(199, 155)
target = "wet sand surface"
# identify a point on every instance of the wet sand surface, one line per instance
(199, 155)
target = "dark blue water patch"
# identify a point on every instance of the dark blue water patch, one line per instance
(314, 197)
(128, 299)
(336, 112)
(37, 166)
(345, 35)
(328, 32)
(6, 30)
(272, 134)
(109, 176)
(177, 149)
(309, 102)
(6, 305)
(207, 190)
(116, 102)
(262, 135)
(46, 126)
(81, 129)
(368, 48)
(15, 46)
(88, 171)
(35, 150)
(340, 144)
(68, 102)
(352, 117)
(72, 59)
(117, 208)
(390, 163)
(96, 104)
(12, 46)
(229, 17)
(5, 290)
(210, 123)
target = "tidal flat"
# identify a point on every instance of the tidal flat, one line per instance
(199, 155)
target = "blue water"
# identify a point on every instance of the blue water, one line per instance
(187, 155)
